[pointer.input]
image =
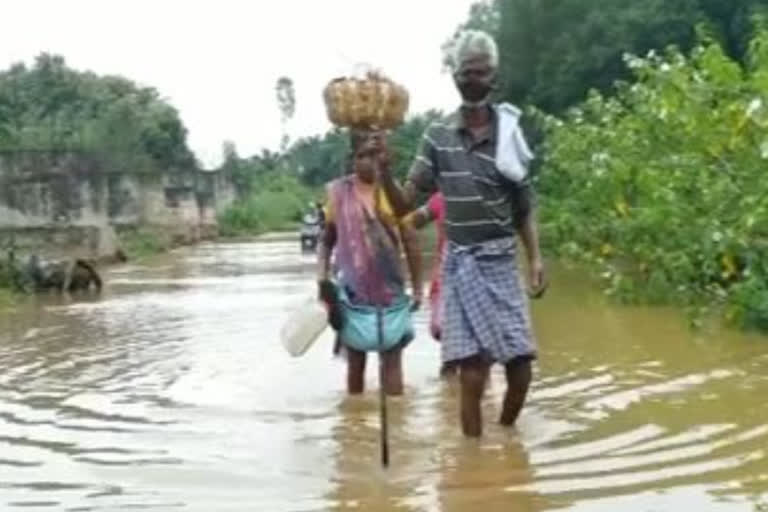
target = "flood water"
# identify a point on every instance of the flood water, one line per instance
(172, 392)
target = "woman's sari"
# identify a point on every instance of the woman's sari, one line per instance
(368, 268)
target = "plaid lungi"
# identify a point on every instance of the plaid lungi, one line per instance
(485, 308)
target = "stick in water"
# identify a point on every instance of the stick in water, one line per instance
(382, 392)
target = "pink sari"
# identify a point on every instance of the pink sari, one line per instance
(368, 261)
(436, 207)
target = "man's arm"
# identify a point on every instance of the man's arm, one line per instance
(401, 198)
(526, 228)
(420, 178)
(420, 218)
(530, 236)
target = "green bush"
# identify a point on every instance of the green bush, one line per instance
(10, 276)
(6, 299)
(50, 106)
(10, 284)
(276, 202)
(661, 187)
(140, 243)
(6, 280)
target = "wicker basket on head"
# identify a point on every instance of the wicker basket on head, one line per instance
(371, 103)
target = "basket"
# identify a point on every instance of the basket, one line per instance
(371, 103)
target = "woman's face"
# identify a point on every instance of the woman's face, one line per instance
(366, 159)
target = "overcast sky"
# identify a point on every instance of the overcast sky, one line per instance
(218, 62)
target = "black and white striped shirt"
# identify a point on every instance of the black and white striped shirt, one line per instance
(480, 203)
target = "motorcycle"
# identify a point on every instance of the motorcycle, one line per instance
(311, 229)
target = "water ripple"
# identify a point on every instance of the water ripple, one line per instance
(171, 391)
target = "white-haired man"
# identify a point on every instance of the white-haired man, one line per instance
(485, 308)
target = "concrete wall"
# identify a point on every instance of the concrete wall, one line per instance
(125, 195)
(57, 242)
(54, 203)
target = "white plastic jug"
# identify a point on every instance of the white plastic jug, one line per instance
(304, 326)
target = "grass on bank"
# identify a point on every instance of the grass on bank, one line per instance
(141, 243)
(276, 203)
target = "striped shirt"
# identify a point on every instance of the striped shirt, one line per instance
(480, 203)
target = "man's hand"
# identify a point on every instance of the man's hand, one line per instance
(537, 282)
(537, 279)
(401, 199)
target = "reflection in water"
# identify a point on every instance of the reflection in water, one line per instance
(476, 475)
(452, 475)
(360, 483)
(171, 391)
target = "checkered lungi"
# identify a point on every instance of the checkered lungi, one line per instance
(485, 308)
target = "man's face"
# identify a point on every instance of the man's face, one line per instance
(474, 79)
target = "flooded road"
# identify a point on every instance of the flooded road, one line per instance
(172, 392)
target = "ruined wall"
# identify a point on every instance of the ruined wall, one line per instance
(69, 203)
(125, 194)
(215, 192)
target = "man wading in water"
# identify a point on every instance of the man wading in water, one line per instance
(485, 308)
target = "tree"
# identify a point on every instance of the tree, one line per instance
(321, 159)
(661, 185)
(286, 102)
(731, 21)
(50, 106)
(232, 167)
(554, 51)
(552, 57)
(318, 159)
(484, 15)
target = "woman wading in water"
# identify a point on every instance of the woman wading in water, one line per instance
(367, 238)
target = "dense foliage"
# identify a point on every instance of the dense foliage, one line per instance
(661, 184)
(276, 202)
(275, 188)
(554, 51)
(50, 106)
(650, 167)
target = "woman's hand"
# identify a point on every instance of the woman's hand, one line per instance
(324, 290)
(417, 299)
(329, 295)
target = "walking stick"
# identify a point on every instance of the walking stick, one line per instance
(384, 436)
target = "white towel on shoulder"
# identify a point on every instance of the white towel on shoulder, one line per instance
(512, 152)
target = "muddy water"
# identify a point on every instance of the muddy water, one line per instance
(171, 392)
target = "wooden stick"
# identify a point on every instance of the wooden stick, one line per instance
(384, 438)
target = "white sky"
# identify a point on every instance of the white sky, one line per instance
(218, 62)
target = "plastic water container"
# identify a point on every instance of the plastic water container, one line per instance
(303, 326)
